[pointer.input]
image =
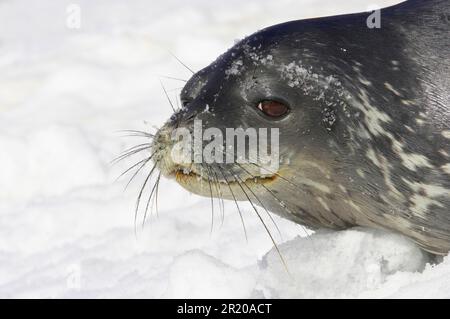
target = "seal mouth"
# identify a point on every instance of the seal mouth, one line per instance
(183, 176)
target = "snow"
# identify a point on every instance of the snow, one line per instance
(67, 225)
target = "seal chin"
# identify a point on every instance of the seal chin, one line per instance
(181, 175)
(209, 184)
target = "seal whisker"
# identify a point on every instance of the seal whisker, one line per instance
(130, 168)
(129, 153)
(255, 163)
(141, 133)
(280, 202)
(262, 205)
(149, 199)
(181, 62)
(138, 135)
(138, 201)
(178, 104)
(212, 204)
(219, 192)
(236, 203)
(275, 174)
(264, 224)
(175, 89)
(282, 205)
(156, 195)
(253, 176)
(172, 78)
(138, 170)
(167, 96)
(136, 147)
(257, 198)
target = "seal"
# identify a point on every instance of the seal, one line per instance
(363, 116)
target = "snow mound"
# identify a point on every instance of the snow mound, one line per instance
(194, 273)
(357, 263)
(338, 264)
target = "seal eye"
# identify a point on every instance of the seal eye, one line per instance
(273, 108)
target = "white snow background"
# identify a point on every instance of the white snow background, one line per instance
(66, 225)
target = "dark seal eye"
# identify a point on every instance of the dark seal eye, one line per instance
(273, 108)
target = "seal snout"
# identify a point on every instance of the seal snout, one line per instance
(204, 177)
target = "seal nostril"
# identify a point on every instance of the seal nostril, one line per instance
(173, 117)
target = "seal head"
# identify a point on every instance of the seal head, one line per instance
(363, 117)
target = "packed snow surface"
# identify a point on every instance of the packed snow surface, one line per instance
(67, 226)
